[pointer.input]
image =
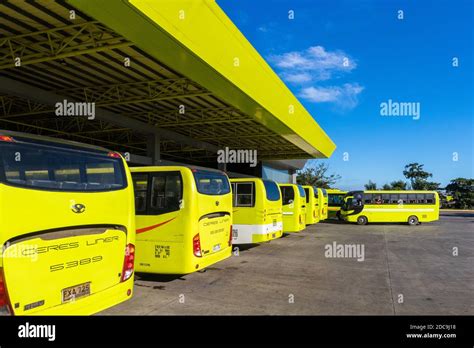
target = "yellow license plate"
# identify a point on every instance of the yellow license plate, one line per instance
(74, 292)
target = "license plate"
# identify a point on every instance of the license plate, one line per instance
(216, 247)
(235, 233)
(274, 222)
(76, 291)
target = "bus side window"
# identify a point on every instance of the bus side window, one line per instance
(306, 191)
(403, 198)
(232, 186)
(430, 198)
(367, 198)
(412, 198)
(393, 198)
(420, 198)
(244, 194)
(378, 199)
(385, 198)
(288, 194)
(140, 184)
(166, 192)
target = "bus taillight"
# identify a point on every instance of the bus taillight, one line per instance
(114, 155)
(5, 307)
(6, 138)
(129, 262)
(197, 246)
(230, 236)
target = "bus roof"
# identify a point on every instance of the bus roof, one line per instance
(164, 168)
(249, 179)
(331, 190)
(391, 191)
(46, 139)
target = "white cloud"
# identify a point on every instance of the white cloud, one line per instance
(314, 61)
(297, 77)
(345, 96)
(313, 65)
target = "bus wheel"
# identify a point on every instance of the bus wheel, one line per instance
(362, 220)
(413, 220)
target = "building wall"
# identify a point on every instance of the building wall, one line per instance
(278, 175)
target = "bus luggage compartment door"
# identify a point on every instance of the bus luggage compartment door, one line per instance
(55, 268)
(214, 232)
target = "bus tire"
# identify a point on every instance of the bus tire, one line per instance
(362, 220)
(413, 220)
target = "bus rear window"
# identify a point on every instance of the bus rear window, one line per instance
(301, 191)
(272, 190)
(210, 183)
(58, 169)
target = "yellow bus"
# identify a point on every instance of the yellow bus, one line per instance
(257, 215)
(335, 200)
(183, 218)
(323, 203)
(412, 207)
(312, 204)
(66, 226)
(294, 207)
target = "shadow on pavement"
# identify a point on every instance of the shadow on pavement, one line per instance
(163, 278)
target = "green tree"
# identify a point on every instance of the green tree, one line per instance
(418, 177)
(370, 185)
(317, 176)
(386, 187)
(462, 190)
(398, 185)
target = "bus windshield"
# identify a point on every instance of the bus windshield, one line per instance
(211, 183)
(59, 169)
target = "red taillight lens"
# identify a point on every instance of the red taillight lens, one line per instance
(197, 246)
(6, 138)
(128, 262)
(114, 155)
(5, 307)
(230, 236)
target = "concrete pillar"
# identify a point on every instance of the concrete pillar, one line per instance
(292, 172)
(153, 149)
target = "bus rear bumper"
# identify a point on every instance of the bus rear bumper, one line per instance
(94, 303)
(249, 234)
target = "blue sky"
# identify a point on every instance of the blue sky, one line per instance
(343, 58)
